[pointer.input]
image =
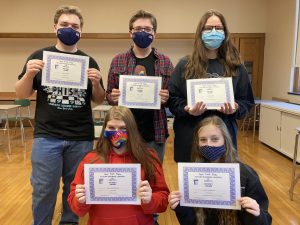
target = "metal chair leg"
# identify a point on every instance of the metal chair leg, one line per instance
(294, 179)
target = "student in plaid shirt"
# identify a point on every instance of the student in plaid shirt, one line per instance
(143, 59)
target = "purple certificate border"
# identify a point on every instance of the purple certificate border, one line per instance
(140, 80)
(230, 171)
(207, 81)
(133, 171)
(72, 59)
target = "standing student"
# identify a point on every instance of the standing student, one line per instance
(142, 58)
(212, 144)
(214, 56)
(64, 130)
(120, 142)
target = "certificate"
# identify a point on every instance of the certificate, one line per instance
(65, 70)
(140, 92)
(209, 185)
(112, 183)
(213, 92)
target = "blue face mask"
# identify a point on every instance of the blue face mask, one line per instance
(68, 35)
(213, 39)
(211, 153)
(142, 39)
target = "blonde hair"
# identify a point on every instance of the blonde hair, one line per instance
(228, 55)
(68, 9)
(135, 144)
(225, 217)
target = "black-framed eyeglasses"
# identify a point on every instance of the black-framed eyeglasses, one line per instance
(209, 28)
(140, 29)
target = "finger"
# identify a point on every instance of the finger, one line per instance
(187, 108)
(80, 195)
(253, 212)
(174, 200)
(174, 205)
(145, 183)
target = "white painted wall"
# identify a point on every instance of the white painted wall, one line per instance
(279, 49)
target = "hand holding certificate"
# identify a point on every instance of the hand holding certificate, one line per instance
(213, 92)
(140, 91)
(112, 183)
(65, 70)
(209, 185)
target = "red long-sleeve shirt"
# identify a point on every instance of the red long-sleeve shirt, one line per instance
(120, 214)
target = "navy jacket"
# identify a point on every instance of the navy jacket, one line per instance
(252, 187)
(184, 123)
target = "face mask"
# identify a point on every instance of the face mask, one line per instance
(68, 36)
(213, 39)
(142, 39)
(116, 138)
(211, 153)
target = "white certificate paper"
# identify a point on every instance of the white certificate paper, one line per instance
(209, 185)
(112, 183)
(65, 70)
(141, 92)
(213, 92)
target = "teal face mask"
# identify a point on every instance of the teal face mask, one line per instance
(213, 39)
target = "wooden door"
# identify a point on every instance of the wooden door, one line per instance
(251, 51)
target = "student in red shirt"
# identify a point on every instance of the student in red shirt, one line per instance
(120, 142)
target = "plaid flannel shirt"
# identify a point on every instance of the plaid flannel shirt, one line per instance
(124, 64)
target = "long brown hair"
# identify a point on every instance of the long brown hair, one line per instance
(225, 217)
(135, 144)
(228, 55)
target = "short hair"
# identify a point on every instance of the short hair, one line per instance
(68, 9)
(143, 14)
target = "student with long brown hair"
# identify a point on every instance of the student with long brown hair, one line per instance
(214, 56)
(120, 142)
(212, 144)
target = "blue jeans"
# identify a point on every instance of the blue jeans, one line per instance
(52, 159)
(159, 148)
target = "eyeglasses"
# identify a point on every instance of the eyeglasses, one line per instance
(140, 29)
(210, 28)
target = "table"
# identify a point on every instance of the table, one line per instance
(4, 109)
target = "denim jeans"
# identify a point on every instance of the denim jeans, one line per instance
(159, 148)
(52, 159)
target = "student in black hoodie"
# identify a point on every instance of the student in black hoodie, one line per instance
(214, 56)
(212, 144)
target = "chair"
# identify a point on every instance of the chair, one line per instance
(20, 116)
(295, 176)
(25, 104)
(251, 118)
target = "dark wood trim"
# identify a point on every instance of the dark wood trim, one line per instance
(10, 96)
(123, 35)
(248, 35)
(98, 35)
